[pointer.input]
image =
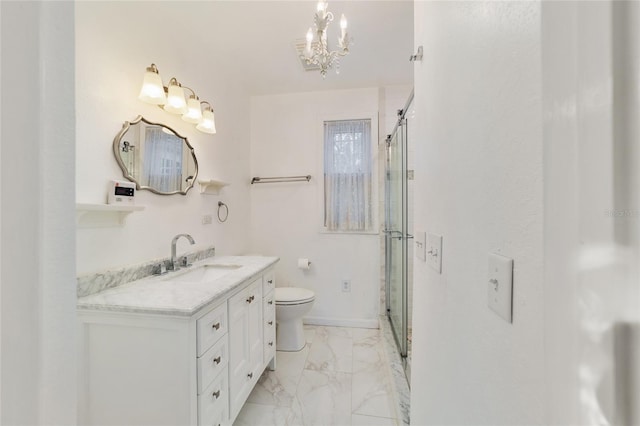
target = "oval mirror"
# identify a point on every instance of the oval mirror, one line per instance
(155, 157)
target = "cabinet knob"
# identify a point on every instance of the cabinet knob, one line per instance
(270, 343)
(216, 326)
(270, 302)
(217, 360)
(216, 394)
(270, 281)
(250, 299)
(270, 323)
(250, 375)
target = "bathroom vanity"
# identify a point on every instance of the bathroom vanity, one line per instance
(185, 348)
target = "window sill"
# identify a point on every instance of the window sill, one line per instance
(325, 231)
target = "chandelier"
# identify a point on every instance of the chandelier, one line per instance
(317, 52)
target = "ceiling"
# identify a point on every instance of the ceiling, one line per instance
(254, 41)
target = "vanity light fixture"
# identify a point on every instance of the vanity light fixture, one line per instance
(317, 53)
(172, 100)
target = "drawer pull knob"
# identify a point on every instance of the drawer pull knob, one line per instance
(250, 299)
(216, 326)
(270, 302)
(270, 343)
(270, 281)
(216, 394)
(217, 360)
(250, 375)
(270, 323)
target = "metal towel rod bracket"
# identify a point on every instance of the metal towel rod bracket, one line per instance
(256, 179)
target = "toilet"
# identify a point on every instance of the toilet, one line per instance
(292, 303)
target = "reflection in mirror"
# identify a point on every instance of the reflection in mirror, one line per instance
(155, 157)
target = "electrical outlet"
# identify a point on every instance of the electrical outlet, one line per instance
(346, 286)
(207, 219)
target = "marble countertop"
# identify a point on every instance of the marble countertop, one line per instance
(167, 295)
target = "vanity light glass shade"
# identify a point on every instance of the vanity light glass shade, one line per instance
(194, 112)
(176, 104)
(208, 124)
(152, 89)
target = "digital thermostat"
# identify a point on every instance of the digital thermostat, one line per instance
(121, 192)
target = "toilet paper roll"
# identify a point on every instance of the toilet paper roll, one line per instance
(304, 263)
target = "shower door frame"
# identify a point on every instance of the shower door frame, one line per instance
(399, 131)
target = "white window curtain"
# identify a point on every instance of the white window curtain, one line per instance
(162, 160)
(347, 176)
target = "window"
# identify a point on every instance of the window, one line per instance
(348, 176)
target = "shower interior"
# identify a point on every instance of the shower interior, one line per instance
(398, 231)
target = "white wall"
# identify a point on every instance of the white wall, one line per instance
(286, 219)
(478, 160)
(38, 267)
(591, 63)
(571, 222)
(115, 42)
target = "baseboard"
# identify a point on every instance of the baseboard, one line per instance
(342, 322)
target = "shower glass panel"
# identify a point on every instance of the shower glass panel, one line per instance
(397, 236)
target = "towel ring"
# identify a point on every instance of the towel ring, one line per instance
(226, 215)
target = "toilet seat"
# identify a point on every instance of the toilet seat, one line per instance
(293, 296)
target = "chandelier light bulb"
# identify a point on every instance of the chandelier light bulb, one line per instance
(322, 6)
(343, 26)
(307, 49)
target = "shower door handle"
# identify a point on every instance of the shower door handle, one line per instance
(399, 235)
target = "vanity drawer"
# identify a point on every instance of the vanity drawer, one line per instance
(211, 327)
(212, 363)
(214, 401)
(268, 282)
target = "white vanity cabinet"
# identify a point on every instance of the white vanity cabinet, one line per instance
(170, 369)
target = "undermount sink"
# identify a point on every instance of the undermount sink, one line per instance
(204, 273)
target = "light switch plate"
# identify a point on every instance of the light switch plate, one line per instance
(500, 286)
(420, 239)
(434, 252)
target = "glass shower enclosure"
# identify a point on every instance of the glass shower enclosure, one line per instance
(398, 249)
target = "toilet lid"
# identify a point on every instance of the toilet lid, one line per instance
(290, 295)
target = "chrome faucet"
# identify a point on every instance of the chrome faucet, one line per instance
(173, 265)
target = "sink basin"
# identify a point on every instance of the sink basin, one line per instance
(204, 273)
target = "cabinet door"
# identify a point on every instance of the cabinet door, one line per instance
(255, 333)
(245, 343)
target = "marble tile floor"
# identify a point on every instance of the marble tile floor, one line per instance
(340, 378)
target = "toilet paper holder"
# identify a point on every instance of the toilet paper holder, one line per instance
(304, 263)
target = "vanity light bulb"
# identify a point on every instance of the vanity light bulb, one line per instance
(152, 90)
(208, 124)
(194, 112)
(176, 103)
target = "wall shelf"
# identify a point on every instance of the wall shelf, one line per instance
(211, 186)
(103, 215)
